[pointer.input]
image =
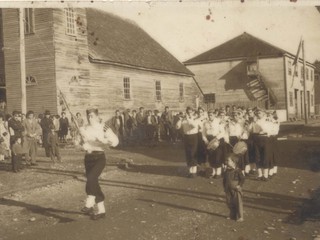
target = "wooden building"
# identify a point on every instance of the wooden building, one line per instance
(95, 58)
(249, 71)
(317, 87)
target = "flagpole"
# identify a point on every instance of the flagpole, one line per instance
(22, 63)
(304, 85)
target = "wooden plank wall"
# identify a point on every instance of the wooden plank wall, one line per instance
(39, 61)
(272, 70)
(2, 72)
(71, 60)
(108, 92)
(226, 79)
(101, 85)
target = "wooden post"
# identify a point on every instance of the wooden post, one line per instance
(22, 63)
(304, 85)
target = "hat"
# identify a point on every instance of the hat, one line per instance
(92, 110)
(189, 108)
(47, 112)
(15, 112)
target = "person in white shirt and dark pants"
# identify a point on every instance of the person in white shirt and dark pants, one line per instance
(95, 138)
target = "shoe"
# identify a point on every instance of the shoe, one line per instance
(15, 171)
(34, 164)
(264, 179)
(217, 176)
(98, 216)
(87, 211)
(211, 176)
(240, 220)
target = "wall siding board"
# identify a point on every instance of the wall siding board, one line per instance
(39, 61)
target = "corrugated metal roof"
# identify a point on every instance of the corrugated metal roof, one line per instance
(243, 46)
(116, 40)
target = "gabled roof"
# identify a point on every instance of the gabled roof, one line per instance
(243, 46)
(118, 41)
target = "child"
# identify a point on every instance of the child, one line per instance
(232, 183)
(17, 152)
(53, 142)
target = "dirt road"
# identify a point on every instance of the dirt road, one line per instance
(152, 199)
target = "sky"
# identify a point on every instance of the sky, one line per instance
(187, 29)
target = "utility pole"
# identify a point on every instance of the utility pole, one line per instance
(304, 85)
(22, 62)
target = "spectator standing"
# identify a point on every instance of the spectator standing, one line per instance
(32, 134)
(141, 123)
(167, 121)
(117, 126)
(15, 126)
(45, 124)
(17, 153)
(53, 142)
(63, 127)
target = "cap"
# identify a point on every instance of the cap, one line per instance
(92, 110)
(47, 112)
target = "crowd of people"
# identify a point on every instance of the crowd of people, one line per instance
(209, 138)
(22, 134)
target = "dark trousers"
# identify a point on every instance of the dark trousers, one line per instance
(217, 157)
(234, 203)
(94, 164)
(45, 143)
(54, 151)
(201, 150)
(190, 146)
(16, 162)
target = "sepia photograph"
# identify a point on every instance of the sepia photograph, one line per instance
(160, 120)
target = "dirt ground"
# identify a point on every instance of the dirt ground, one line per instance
(149, 197)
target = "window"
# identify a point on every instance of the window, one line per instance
(70, 21)
(311, 75)
(307, 73)
(31, 81)
(312, 102)
(289, 68)
(296, 72)
(302, 72)
(291, 99)
(28, 20)
(316, 77)
(158, 91)
(181, 91)
(210, 98)
(126, 88)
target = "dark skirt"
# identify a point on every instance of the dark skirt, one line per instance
(217, 157)
(244, 158)
(201, 150)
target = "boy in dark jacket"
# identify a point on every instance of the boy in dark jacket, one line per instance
(53, 142)
(232, 183)
(17, 153)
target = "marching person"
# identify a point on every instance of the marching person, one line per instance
(201, 149)
(32, 135)
(190, 128)
(237, 132)
(260, 129)
(214, 131)
(95, 138)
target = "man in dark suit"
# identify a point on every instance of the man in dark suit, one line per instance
(141, 124)
(45, 124)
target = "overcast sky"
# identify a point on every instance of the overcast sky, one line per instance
(184, 30)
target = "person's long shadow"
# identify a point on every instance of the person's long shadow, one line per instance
(262, 203)
(180, 207)
(48, 212)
